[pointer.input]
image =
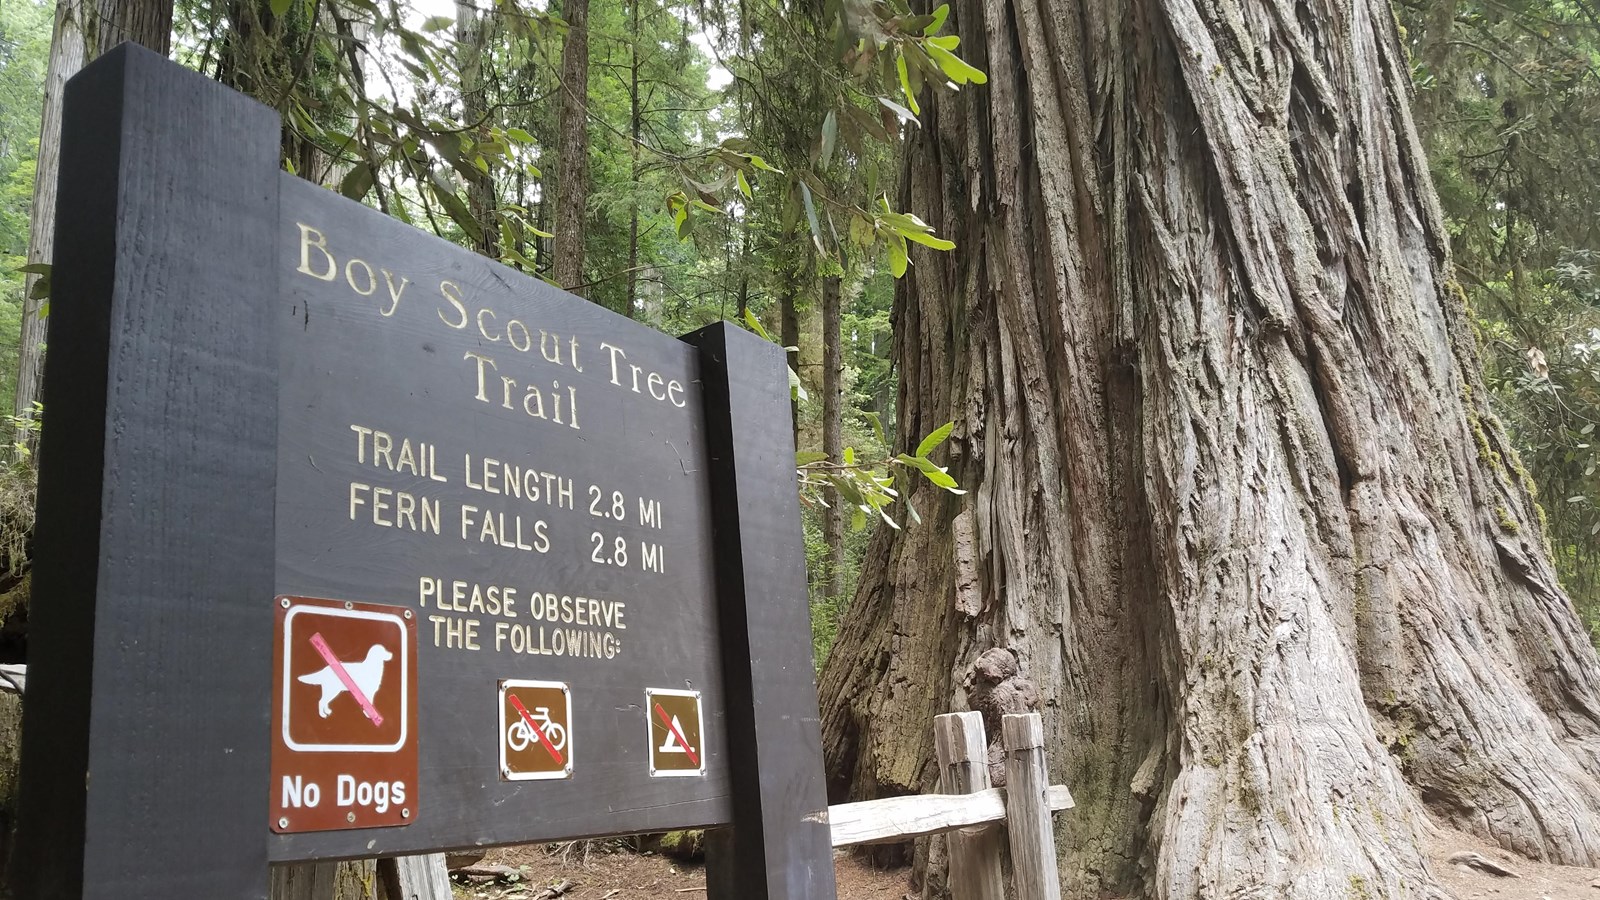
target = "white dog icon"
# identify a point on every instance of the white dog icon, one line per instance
(367, 674)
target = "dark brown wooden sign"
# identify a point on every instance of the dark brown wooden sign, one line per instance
(353, 543)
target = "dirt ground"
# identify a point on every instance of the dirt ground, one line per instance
(608, 870)
(1536, 881)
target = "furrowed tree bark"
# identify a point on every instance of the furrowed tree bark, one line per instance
(572, 181)
(83, 30)
(1236, 498)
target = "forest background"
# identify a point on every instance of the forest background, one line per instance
(1507, 101)
(1301, 627)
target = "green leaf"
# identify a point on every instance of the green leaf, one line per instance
(929, 470)
(34, 269)
(898, 258)
(905, 83)
(928, 240)
(755, 324)
(948, 42)
(932, 441)
(519, 135)
(955, 67)
(744, 186)
(858, 521)
(807, 457)
(904, 115)
(939, 15)
(445, 193)
(830, 137)
(762, 164)
(877, 426)
(849, 456)
(438, 23)
(357, 181)
(280, 7)
(811, 218)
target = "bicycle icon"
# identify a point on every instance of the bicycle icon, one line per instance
(519, 737)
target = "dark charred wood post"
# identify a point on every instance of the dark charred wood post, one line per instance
(162, 390)
(779, 847)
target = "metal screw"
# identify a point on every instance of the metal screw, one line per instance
(408, 613)
(350, 817)
(405, 813)
(349, 605)
(284, 603)
(283, 822)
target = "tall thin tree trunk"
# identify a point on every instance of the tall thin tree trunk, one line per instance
(832, 435)
(744, 265)
(572, 181)
(633, 156)
(471, 38)
(1235, 497)
(789, 332)
(83, 30)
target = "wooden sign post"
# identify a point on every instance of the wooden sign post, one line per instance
(352, 543)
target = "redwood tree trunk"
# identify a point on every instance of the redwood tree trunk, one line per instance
(1236, 498)
(83, 30)
(572, 181)
(832, 437)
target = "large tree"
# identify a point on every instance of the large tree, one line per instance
(1235, 496)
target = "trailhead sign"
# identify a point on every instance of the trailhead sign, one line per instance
(353, 543)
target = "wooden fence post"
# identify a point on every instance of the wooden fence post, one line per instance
(1033, 841)
(975, 854)
(423, 877)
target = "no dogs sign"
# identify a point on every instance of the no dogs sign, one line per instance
(344, 748)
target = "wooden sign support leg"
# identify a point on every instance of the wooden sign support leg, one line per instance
(779, 846)
(158, 466)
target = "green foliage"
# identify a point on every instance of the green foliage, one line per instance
(24, 51)
(1508, 97)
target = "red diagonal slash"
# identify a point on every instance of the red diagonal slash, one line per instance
(667, 721)
(349, 683)
(533, 727)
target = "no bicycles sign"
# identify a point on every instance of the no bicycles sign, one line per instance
(536, 740)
